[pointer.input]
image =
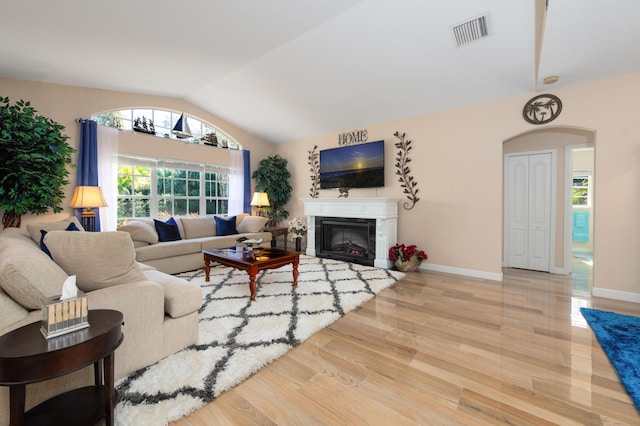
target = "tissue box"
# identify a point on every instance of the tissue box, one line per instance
(64, 316)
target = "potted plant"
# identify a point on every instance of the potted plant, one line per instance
(272, 177)
(406, 258)
(297, 230)
(35, 156)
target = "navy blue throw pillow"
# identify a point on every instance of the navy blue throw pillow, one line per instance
(226, 226)
(167, 231)
(71, 227)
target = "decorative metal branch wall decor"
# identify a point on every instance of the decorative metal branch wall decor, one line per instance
(407, 182)
(314, 163)
(542, 109)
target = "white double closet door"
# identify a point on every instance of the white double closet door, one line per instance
(528, 207)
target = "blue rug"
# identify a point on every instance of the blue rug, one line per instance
(619, 336)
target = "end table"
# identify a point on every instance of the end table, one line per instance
(277, 231)
(27, 357)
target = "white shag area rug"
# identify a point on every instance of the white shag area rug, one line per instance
(238, 337)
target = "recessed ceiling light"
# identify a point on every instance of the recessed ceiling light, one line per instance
(550, 79)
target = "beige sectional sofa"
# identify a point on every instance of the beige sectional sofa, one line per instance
(160, 311)
(197, 233)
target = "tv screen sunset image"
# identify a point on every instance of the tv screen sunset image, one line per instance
(354, 166)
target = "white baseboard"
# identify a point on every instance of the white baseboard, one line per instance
(461, 271)
(597, 292)
(616, 294)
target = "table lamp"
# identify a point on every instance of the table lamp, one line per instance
(260, 200)
(88, 197)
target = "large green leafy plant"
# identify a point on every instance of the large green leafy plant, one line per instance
(272, 177)
(34, 156)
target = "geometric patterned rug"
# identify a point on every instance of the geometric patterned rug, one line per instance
(238, 337)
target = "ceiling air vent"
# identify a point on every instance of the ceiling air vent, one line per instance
(469, 31)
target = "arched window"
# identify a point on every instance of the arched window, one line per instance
(153, 187)
(161, 122)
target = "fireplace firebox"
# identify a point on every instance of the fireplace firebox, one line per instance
(348, 239)
(384, 211)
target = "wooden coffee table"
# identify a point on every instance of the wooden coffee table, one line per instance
(252, 261)
(27, 357)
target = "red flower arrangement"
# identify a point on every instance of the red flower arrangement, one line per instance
(402, 252)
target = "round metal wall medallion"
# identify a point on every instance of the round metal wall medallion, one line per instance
(542, 109)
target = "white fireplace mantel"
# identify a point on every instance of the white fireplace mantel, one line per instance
(383, 210)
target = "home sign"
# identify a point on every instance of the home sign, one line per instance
(350, 138)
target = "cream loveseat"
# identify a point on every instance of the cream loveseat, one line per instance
(194, 234)
(160, 311)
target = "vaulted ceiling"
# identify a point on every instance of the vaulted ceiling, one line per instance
(290, 69)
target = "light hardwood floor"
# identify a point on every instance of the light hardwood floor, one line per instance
(440, 349)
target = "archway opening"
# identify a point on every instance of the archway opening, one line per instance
(572, 219)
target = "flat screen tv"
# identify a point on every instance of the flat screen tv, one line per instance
(353, 166)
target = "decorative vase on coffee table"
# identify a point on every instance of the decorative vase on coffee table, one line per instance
(299, 244)
(408, 265)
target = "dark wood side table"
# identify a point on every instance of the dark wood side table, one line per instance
(277, 231)
(27, 357)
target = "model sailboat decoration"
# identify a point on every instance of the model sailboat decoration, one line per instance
(181, 129)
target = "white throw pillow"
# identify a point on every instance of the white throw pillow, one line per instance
(140, 231)
(252, 224)
(240, 217)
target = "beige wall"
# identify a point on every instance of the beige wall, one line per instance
(458, 163)
(65, 104)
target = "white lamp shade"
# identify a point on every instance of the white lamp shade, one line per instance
(260, 199)
(88, 197)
